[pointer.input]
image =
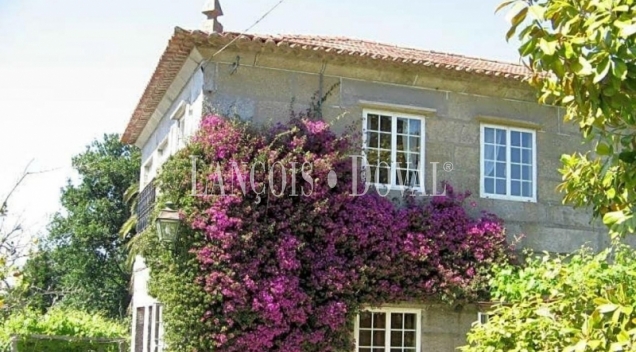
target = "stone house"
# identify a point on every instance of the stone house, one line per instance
(472, 121)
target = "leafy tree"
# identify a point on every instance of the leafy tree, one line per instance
(13, 248)
(63, 330)
(83, 250)
(583, 56)
(579, 303)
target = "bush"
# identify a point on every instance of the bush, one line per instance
(267, 273)
(61, 323)
(582, 302)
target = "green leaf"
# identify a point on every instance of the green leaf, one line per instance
(603, 149)
(537, 11)
(583, 67)
(628, 30)
(602, 70)
(504, 4)
(548, 47)
(607, 308)
(614, 217)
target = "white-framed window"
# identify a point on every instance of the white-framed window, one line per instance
(482, 317)
(148, 328)
(508, 163)
(393, 147)
(148, 172)
(388, 330)
(163, 150)
(179, 130)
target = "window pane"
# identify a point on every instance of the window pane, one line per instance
(372, 122)
(365, 338)
(489, 185)
(385, 157)
(378, 338)
(372, 140)
(515, 139)
(415, 127)
(379, 320)
(139, 329)
(501, 137)
(365, 320)
(525, 156)
(402, 177)
(364, 350)
(381, 175)
(489, 135)
(501, 153)
(527, 140)
(515, 188)
(515, 155)
(409, 321)
(402, 143)
(401, 159)
(501, 186)
(149, 329)
(402, 125)
(409, 339)
(501, 170)
(527, 189)
(385, 141)
(489, 152)
(414, 144)
(515, 171)
(385, 123)
(526, 173)
(396, 320)
(396, 338)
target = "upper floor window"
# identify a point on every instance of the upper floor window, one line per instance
(148, 172)
(508, 163)
(388, 330)
(394, 149)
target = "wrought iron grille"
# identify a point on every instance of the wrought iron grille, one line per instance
(145, 206)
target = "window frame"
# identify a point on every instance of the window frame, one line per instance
(148, 171)
(482, 157)
(152, 331)
(482, 318)
(388, 311)
(393, 185)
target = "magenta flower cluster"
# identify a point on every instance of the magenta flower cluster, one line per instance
(289, 273)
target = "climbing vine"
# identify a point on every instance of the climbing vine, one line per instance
(270, 268)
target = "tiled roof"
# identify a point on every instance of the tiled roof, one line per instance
(183, 41)
(387, 52)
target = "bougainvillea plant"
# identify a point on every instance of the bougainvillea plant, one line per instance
(288, 270)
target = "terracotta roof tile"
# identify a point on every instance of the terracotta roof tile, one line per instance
(183, 41)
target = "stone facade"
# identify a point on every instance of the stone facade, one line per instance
(262, 86)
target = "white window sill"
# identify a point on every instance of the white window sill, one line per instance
(510, 198)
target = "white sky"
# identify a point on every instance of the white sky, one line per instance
(72, 70)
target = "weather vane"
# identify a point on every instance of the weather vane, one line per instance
(212, 9)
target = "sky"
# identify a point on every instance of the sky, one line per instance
(73, 70)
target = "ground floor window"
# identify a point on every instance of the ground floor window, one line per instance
(148, 328)
(388, 330)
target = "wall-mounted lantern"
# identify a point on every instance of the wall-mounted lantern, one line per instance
(168, 224)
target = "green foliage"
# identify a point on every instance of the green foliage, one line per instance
(85, 255)
(583, 54)
(61, 323)
(583, 302)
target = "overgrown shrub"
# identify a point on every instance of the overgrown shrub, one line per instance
(58, 322)
(582, 302)
(289, 273)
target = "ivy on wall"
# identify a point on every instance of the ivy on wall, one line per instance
(265, 272)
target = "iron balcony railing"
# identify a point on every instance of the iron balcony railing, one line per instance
(145, 206)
